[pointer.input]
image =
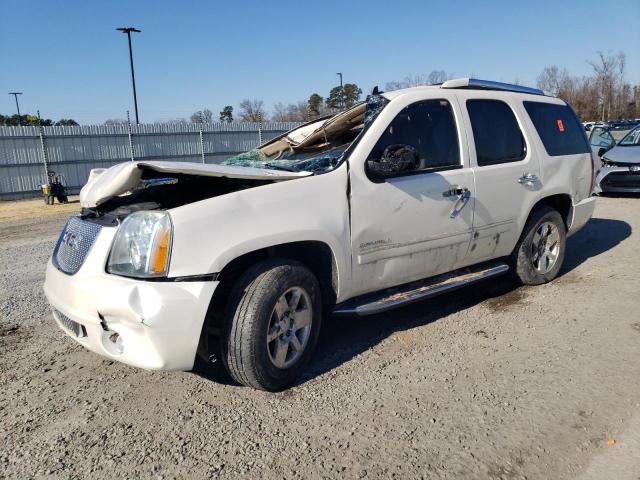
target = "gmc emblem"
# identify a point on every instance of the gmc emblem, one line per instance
(71, 240)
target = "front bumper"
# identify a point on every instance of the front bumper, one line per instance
(159, 323)
(617, 180)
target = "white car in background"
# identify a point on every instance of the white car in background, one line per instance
(620, 163)
(405, 196)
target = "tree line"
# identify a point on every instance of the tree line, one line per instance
(606, 94)
(29, 120)
(254, 110)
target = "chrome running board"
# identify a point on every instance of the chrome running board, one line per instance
(404, 294)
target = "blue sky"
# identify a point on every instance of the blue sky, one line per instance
(69, 61)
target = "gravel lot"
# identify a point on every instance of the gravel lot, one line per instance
(492, 382)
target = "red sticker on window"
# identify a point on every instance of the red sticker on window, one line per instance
(560, 125)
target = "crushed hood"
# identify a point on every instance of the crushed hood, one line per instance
(104, 184)
(624, 154)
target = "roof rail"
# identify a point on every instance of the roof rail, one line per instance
(474, 83)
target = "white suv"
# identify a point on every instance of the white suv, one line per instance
(172, 265)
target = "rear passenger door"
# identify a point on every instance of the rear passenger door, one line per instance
(506, 171)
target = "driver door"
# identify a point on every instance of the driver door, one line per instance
(415, 221)
(600, 139)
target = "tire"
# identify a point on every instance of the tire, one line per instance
(535, 259)
(263, 318)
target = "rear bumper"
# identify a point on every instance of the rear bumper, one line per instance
(581, 213)
(159, 323)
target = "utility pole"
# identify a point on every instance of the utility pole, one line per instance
(128, 31)
(15, 95)
(341, 90)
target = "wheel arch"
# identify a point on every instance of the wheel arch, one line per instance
(315, 255)
(561, 202)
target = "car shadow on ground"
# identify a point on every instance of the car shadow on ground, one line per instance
(343, 338)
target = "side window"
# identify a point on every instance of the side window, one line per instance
(558, 127)
(423, 136)
(496, 132)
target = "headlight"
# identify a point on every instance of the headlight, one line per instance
(142, 246)
(605, 162)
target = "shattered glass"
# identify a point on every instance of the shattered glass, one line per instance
(375, 104)
(319, 156)
(246, 159)
(318, 162)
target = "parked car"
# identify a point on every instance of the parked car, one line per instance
(405, 196)
(620, 165)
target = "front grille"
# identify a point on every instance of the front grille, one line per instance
(69, 325)
(74, 244)
(621, 180)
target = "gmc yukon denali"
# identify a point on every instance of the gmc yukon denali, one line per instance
(175, 265)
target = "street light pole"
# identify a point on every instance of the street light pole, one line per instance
(15, 95)
(341, 90)
(128, 31)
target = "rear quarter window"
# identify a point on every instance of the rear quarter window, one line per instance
(558, 127)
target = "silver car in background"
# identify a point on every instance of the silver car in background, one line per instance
(620, 163)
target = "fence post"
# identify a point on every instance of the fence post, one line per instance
(201, 144)
(259, 129)
(131, 152)
(43, 151)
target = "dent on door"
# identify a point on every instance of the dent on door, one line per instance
(418, 226)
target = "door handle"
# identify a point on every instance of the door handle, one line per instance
(455, 191)
(529, 178)
(463, 194)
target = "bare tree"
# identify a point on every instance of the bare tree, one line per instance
(279, 112)
(202, 116)
(609, 70)
(173, 120)
(605, 95)
(252, 110)
(553, 79)
(294, 112)
(435, 77)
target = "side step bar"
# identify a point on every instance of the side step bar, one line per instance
(404, 294)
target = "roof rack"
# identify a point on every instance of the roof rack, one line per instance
(474, 83)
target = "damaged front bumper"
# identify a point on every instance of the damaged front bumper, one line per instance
(152, 325)
(618, 179)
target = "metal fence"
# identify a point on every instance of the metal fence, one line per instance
(28, 154)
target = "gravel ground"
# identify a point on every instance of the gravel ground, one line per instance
(492, 381)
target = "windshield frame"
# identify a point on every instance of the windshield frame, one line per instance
(630, 133)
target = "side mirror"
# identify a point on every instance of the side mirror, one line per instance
(396, 159)
(602, 151)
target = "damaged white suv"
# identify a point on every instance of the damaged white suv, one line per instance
(412, 193)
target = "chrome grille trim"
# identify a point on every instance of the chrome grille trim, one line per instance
(71, 326)
(75, 241)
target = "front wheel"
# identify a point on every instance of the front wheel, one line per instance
(538, 255)
(272, 326)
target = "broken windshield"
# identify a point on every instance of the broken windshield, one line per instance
(316, 150)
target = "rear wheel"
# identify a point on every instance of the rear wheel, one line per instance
(272, 326)
(538, 255)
